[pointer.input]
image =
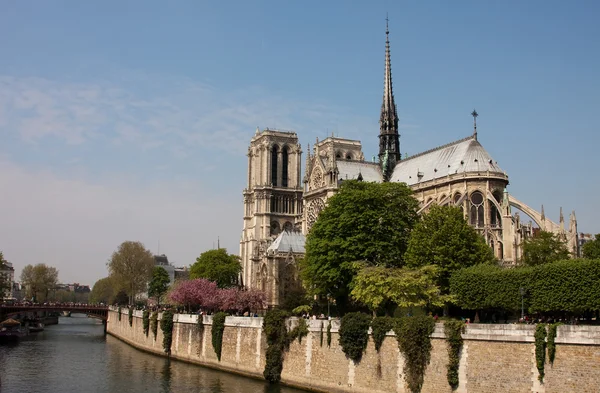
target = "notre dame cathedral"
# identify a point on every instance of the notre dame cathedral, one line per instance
(280, 205)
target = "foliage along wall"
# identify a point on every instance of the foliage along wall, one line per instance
(309, 364)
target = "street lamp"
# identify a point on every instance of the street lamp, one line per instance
(522, 291)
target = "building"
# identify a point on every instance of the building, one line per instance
(175, 273)
(8, 272)
(460, 173)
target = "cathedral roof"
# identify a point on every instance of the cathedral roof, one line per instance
(350, 170)
(288, 241)
(465, 155)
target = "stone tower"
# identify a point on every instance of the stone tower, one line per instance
(273, 197)
(389, 139)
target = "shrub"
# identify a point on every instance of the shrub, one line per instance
(565, 286)
(414, 340)
(354, 334)
(146, 321)
(166, 325)
(218, 326)
(380, 327)
(453, 330)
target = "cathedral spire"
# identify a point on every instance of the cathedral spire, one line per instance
(389, 139)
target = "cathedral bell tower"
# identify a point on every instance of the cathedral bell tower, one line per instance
(273, 197)
(389, 139)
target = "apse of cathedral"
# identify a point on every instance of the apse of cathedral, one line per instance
(281, 205)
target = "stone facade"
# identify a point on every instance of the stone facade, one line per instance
(494, 358)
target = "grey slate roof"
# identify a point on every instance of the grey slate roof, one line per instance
(288, 241)
(349, 170)
(465, 155)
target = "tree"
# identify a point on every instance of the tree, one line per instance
(544, 247)
(159, 285)
(591, 249)
(39, 280)
(131, 267)
(104, 291)
(377, 287)
(218, 266)
(368, 222)
(443, 238)
(5, 284)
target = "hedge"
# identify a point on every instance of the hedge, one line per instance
(564, 286)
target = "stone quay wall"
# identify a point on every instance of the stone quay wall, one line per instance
(494, 358)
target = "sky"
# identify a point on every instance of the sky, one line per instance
(130, 120)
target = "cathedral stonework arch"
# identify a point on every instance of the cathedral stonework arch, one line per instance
(288, 226)
(476, 209)
(275, 228)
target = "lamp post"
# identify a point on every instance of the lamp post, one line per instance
(522, 291)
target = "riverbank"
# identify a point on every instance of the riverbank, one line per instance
(494, 358)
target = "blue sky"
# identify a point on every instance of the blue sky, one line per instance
(129, 120)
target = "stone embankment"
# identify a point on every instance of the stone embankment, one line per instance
(494, 358)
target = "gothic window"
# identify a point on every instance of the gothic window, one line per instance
(314, 208)
(275, 228)
(288, 226)
(263, 278)
(274, 153)
(495, 219)
(289, 278)
(349, 157)
(284, 167)
(442, 198)
(338, 155)
(317, 178)
(476, 215)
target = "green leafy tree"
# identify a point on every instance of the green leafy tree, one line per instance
(159, 285)
(5, 284)
(104, 291)
(379, 287)
(368, 222)
(443, 238)
(131, 267)
(39, 280)
(218, 266)
(544, 247)
(591, 249)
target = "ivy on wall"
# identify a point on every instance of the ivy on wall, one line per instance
(166, 325)
(146, 321)
(277, 338)
(154, 323)
(321, 334)
(540, 349)
(354, 334)
(551, 341)
(218, 326)
(380, 327)
(300, 331)
(453, 330)
(414, 341)
(130, 316)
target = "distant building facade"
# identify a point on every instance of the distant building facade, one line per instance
(8, 271)
(175, 273)
(278, 214)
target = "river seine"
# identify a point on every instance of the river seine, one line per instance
(75, 356)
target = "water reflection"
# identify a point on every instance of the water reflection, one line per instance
(75, 356)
